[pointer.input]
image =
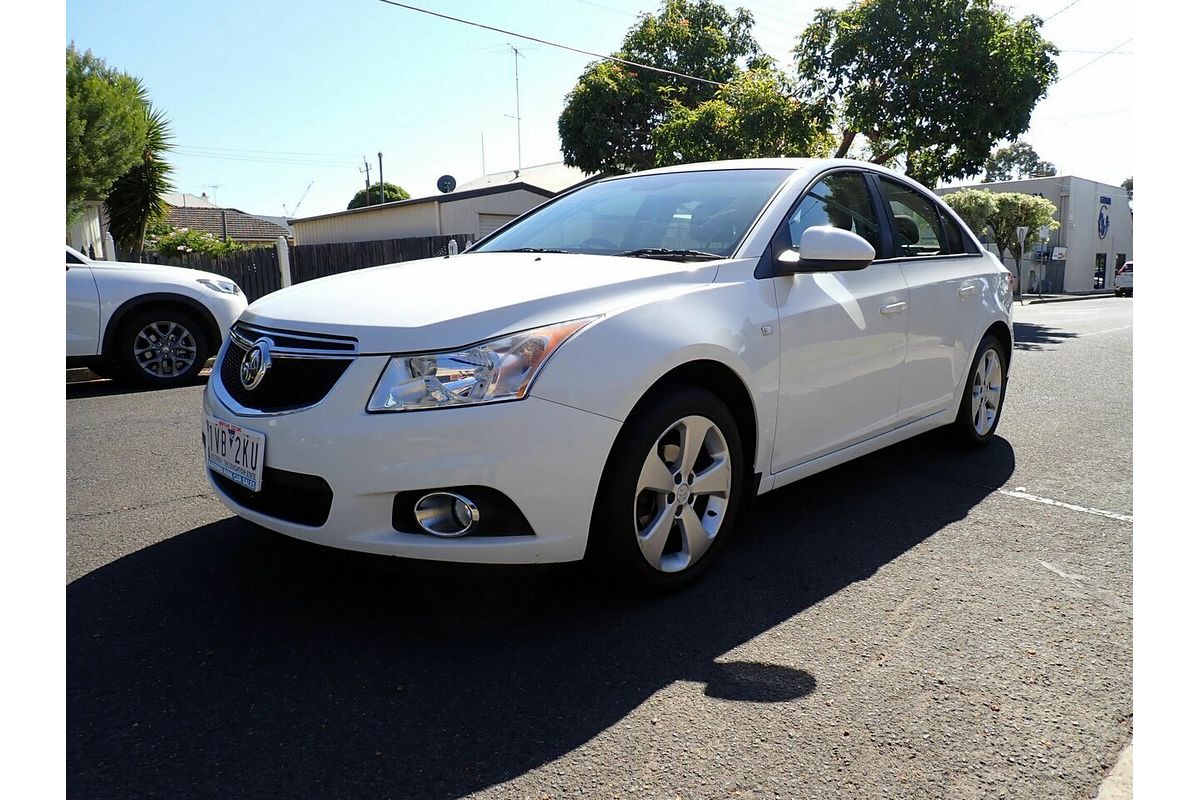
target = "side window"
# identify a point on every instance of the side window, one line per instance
(954, 237)
(71, 259)
(840, 200)
(916, 222)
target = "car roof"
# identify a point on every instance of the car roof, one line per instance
(796, 165)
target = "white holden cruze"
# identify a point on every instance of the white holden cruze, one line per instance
(614, 373)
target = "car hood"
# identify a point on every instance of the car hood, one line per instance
(440, 303)
(161, 272)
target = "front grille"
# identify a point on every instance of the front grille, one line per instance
(290, 496)
(289, 384)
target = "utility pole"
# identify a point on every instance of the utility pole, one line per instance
(381, 178)
(367, 169)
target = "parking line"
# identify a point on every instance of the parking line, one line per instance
(1020, 494)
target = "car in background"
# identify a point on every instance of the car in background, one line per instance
(612, 375)
(148, 324)
(1123, 281)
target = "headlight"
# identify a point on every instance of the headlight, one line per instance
(224, 287)
(501, 369)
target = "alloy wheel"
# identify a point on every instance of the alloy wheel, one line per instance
(986, 391)
(682, 494)
(164, 349)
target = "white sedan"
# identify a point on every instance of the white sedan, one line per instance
(151, 324)
(614, 373)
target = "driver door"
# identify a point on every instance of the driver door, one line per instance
(844, 334)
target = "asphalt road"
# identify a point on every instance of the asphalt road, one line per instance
(926, 622)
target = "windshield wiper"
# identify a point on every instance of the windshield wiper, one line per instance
(526, 250)
(666, 252)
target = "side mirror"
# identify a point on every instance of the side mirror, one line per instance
(826, 249)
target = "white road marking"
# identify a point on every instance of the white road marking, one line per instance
(1020, 494)
(1062, 573)
(1106, 330)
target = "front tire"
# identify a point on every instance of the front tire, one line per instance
(161, 348)
(983, 397)
(670, 492)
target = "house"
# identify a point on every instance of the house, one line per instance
(1093, 240)
(476, 208)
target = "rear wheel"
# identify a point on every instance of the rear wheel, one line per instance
(983, 397)
(670, 492)
(161, 348)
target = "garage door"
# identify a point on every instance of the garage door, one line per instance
(489, 222)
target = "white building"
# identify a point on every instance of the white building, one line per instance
(1094, 238)
(476, 208)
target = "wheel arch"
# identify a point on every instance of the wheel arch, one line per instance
(1002, 332)
(730, 389)
(177, 302)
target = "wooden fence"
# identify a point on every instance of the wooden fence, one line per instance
(255, 269)
(318, 260)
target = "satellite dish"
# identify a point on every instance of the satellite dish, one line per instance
(446, 184)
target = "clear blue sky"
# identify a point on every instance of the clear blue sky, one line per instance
(265, 97)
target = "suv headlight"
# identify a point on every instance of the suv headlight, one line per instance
(224, 287)
(500, 369)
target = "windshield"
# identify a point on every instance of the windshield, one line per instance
(689, 214)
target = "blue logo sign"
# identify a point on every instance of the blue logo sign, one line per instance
(1102, 222)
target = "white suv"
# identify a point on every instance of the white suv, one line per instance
(150, 324)
(614, 373)
(1123, 281)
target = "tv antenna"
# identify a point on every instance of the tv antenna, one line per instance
(214, 187)
(517, 83)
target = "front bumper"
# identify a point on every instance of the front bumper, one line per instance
(546, 457)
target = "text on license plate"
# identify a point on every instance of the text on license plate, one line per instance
(235, 452)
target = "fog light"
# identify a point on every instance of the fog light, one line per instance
(446, 514)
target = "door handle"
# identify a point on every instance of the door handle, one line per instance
(893, 308)
(967, 291)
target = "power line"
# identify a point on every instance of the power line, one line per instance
(601, 56)
(1061, 10)
(1094, 60)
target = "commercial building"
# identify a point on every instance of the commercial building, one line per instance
(1093, 240)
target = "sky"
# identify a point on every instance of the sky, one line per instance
(274, 104)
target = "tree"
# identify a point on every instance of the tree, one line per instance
(976, 207)
(932, 83)
(752, 116)
(364, 197)
(1127, 185)
(1014, 162)
(135, 201)
(608, 122)
(106, 127)
(1005, 212)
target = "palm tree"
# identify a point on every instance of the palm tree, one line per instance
(135, 200)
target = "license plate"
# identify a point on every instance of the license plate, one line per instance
(235, 452)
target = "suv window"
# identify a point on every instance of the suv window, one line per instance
(841, 200)
(72, 258)
(917, 223)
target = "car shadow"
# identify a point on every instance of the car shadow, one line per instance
(107, 387)
(231, 660)
(1031, 336)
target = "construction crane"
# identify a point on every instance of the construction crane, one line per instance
(296, 207)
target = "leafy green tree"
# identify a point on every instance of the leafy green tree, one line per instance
(610, 116)
(752, 116)
(1127, 185)
(1005, 212)
(364, 197)
(930, 83)
(1014, 162)
(135, 201)
(106, 127)
(977, 207)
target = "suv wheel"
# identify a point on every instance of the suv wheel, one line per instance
(161, 348)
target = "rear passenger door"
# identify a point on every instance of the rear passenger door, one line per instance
(943, 271)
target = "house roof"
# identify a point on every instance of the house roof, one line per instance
(183, 199)
(240, 226)
(449, 197)
(553, 177)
